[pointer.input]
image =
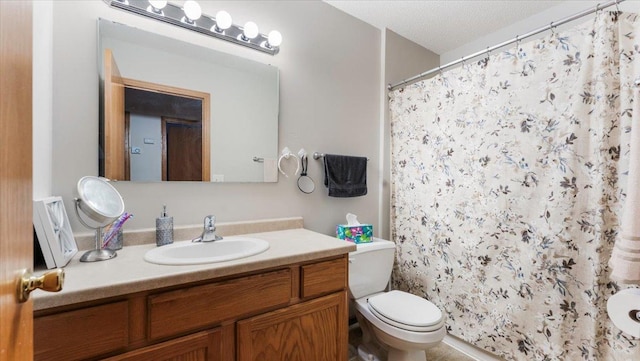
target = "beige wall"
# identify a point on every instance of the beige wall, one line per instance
(329, 102)
(402, 59)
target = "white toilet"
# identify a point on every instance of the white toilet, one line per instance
(396, 325)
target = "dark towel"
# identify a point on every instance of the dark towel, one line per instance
(345, 176)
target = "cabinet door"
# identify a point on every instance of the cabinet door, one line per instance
(311, 331)
(201, 346)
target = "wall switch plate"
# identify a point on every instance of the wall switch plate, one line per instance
(136, 150)
(149, 141)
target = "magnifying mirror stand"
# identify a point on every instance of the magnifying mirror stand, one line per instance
(97, 254)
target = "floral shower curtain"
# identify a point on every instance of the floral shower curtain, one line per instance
(509, 177)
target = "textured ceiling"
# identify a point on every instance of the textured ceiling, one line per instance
(441, 26)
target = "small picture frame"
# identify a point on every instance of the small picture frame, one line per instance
(54, 231)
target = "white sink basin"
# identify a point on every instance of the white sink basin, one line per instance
(227, 249)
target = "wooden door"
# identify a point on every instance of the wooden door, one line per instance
(16, 227)
(114, 122)
(181, 150)
(312, 331)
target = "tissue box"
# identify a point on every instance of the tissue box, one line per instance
(362, 233)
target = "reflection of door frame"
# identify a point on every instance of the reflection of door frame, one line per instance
(185, 93)
(113, 136)
(127, 146)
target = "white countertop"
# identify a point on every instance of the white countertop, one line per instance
(130, 273)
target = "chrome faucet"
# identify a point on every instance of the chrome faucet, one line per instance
(209, 232)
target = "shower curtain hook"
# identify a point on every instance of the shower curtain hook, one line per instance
(553, 28)
(598, 10)
(488, 51)
(617, 7)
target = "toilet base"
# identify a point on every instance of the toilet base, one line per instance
(406, 355)
(369, 353)
(366, 353)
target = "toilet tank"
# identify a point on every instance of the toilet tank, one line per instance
(370, 267)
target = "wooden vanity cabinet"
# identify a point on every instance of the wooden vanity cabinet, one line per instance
(294, 312)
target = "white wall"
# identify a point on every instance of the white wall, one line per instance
(329, 102)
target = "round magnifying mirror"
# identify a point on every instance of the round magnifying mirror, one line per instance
(99, 200)
(102, 204)
(305, 183)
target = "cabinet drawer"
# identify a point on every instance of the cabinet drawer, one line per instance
(179, 311)
(323, 277)
(204, 346)
(82, 333)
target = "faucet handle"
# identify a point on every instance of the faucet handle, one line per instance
(209, 231)
(210, 223)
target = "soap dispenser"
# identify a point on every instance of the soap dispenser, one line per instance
(164, 228)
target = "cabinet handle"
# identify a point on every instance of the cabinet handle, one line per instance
(51, 281)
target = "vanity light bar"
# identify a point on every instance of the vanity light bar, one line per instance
(205, 24)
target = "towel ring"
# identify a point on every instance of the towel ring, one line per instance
(286, 153)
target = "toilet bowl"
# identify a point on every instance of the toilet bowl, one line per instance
(396, 325)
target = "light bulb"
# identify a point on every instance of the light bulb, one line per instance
(223, 20)
(158, 4)
(250, 30)
(192, 10)
(274, 39)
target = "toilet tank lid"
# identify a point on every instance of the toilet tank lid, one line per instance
(376, 244)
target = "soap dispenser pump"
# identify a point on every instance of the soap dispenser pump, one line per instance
(164, 228)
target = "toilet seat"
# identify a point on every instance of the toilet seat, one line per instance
(406, 311)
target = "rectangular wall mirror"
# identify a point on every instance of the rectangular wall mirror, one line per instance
(175, 111)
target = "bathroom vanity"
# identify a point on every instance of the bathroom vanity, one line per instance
(288, 303)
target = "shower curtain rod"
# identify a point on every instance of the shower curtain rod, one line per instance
(552, 25)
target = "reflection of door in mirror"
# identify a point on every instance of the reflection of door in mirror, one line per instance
(145, 132)
(181, 151)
